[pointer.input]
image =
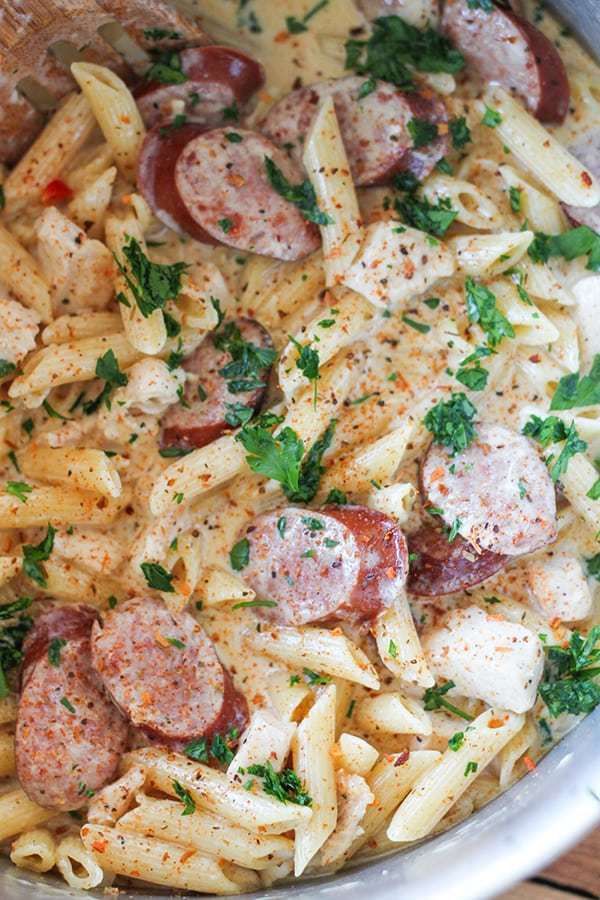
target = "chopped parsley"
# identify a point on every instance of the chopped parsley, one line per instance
(395, 47)
(249, 362)
(189, 806)
(470, 768)
(491, 117)
(284, 786)
(54, 648)
(421, 327)
(514, 194)
(576, 391)
(157, 577)
(552, 430)
(239, 555)
(308, 363)
(451, 423)
(434, 218)
(220, 748)
(18, 489)
(297, 26)
(250, 604)
(237, 414)
(486, 5)
(67, 704)
(34, 555)
(107, 368)
(422, 131)
(6, 368)
(392, 649)
(166, 69)
(337, 497)
(456, 741)
(313, 678)
(301, 195)
(281, 526)
(570, 677)
(459, 132)
(470, 371)
(434, 698)
(151, 284)
(581, 241)
(280, 457)
(12, 637)
(482, 309)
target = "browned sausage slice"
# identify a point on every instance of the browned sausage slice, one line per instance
(497, 493)
(161, 669)
(69, 735)
(507, 49)
(373, 127)
(208, 391)
(156, 178)
(226, 190)
(218, 81)
(336, 564)
(587, 150)
(439, 566)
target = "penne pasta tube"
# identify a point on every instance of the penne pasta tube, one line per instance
(355, 754)
(438, 789)
(54, 504)
(399, 646)
(390, 781)
(319, 649)
(536, 149)
(313, 763)
(21, 274)
(87, 469)
(392, 713)
(217, 586)
(156, 861)
(214, 791)
(328, 335)
(77, 864)
(66, 363)
(59, 143)
(267, 737)
(205, 832)
(115, 111)
(327, 165)
(541, 212)
(10, 566)
(73, 328)
(34, 850)
(18, 813)
(577, 480)
(147, 334)
(489, 254)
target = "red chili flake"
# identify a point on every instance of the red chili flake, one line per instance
(402, 758)
(529, 764)
(56, 191)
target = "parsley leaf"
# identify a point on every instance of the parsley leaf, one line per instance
(451, 423)
(297, 26)
(157, 577)
(301, 195)
(514, 194)
(569, 683)
(481, 308)
(166, 69)
(395, 47)
(575, 391)
(581, 241)
(249, 363)
(434, 218)
(422, 131)
(470, 371)
(19, 489)
(460, 132)
(491, 117)
(434, 698)
(311, 468)
(456, 741)
(107, 367)
(552, 430)
(6, 368)
(12, 637)
(151, 284)
(54, 648)
(34, 555)
(239, 555)
(189, 806)
(308, 363)
(284, 786)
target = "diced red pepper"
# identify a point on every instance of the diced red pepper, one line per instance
(56, 191)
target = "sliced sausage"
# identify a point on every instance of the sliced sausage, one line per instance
(374, 127)
(439, 566)
(154, 24)
(507, 49)
(419, 13)
(216, 79)
(226, 190)
(69, 735)
(156, 178)
(333, 564)
(161, 669)
(208, 391)
(587, 150)
(498, 489)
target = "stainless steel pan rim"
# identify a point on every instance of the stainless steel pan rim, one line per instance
(517, 834)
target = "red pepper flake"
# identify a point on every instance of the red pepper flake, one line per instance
(100, 845)
(529, 763)
(402, 758)
(495, 723)
(56, 191)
